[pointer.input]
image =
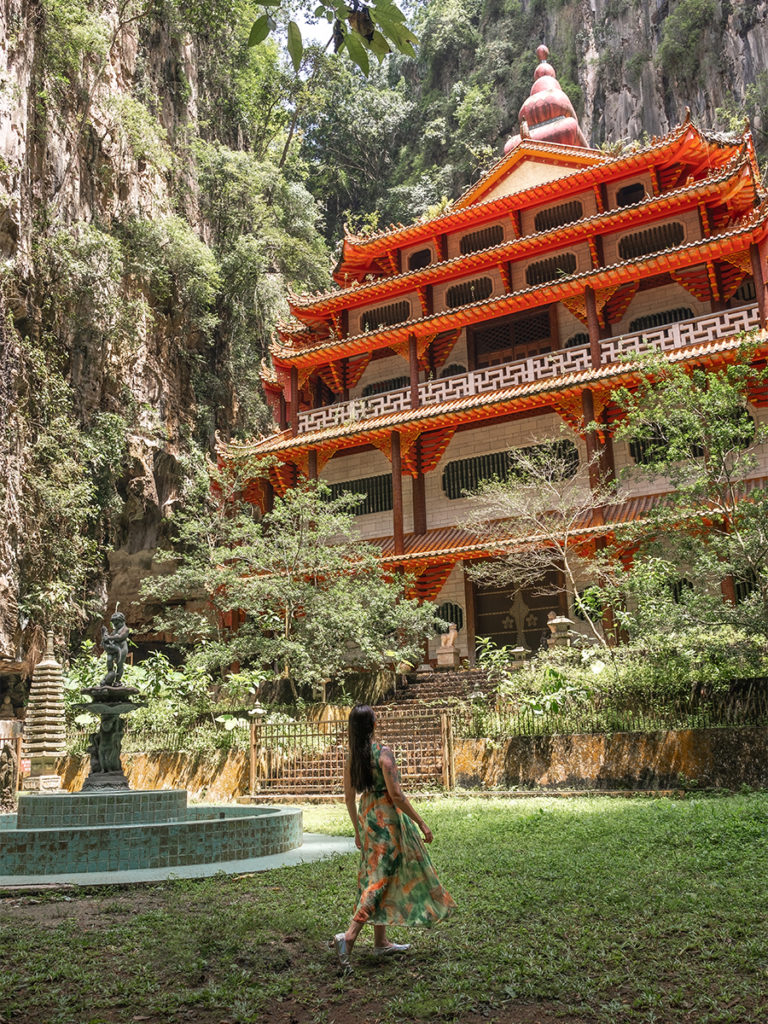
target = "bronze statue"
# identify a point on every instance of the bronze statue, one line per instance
(115, 646)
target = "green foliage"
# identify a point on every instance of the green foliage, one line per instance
(69, 494)
(689, 36)
(75, 33)
(315, 602)
(143, 134)
(357, 30)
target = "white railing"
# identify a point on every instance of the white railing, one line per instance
(709, 327)
(524, 371)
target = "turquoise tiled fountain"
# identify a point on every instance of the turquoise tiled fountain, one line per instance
(137, 834)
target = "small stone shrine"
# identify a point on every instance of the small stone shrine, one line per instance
(44, 735)
(110, 701)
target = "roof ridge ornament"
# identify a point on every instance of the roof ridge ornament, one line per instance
(547, 115)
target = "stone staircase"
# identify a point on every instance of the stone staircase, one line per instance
(438, 688)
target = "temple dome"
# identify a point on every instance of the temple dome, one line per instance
(547, 115)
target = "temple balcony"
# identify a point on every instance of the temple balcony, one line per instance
(680, 335)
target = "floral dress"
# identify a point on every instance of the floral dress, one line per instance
(397, 883)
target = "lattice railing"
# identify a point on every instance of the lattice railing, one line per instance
(700, 329)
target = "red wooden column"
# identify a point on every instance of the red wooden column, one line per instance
(758, 273)
(294, 410)
(312, 464)
(419, 492)
(397, 494)
(588, 409)
(593, 325)
(413, 362)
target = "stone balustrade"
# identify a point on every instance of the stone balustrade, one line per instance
(700, 329)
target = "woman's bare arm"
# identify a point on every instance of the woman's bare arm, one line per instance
(396, 794)
(350, 801)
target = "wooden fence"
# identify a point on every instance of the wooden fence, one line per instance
(295, 758)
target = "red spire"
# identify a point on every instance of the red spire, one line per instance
(547, 115)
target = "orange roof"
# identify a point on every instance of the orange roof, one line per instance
(595, 167)
(752, 228)
(738, 172)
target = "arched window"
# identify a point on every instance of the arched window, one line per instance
(452, 370)
(667, 316)
(556, 216)
(655, 239)
(550, 269)
(419, 259)
(385, 385)
(477, 240)
(746, 291)
(581, 338)
(450, 612)
(468, 291)
(385, 316)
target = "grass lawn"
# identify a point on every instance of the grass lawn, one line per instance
(585, 910)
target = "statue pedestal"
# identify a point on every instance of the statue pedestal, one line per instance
(447, 657)
(97, 782)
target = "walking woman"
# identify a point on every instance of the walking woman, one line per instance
(397, 884)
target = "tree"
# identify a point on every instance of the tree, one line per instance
(295, 590)
(708, 538)
(538, 516)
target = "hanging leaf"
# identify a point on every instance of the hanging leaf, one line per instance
(259, 31)
(380, 46)
(357, 52)
(295, 44)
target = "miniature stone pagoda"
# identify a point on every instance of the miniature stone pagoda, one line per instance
(44, 733)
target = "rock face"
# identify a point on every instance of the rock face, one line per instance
(80, 157)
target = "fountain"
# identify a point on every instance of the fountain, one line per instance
(108, 833)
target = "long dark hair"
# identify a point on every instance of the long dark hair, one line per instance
(361, 721)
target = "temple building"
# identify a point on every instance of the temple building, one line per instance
(450, 341)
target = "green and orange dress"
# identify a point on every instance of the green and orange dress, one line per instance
(397, 883)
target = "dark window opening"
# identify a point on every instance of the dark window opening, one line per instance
(494, 235)
(667, 316)
(680, 589)
(385, 385)
(468, 291)
(375, 491)
(385, 316)
(515, 338)
(655, 239)
(745, 292)
(555, 217)
(467, 474)
(577, 339)
(452, 370)
(630, 194)
(419, 259)
(550, 269)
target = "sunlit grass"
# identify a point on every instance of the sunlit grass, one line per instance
(609, 910)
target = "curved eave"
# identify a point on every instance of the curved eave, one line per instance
(363, 250)
(736, 177)
(617, 274)
(503, 402)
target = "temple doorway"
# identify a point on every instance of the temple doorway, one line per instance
(517, 618)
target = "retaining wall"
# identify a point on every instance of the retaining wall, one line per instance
(725, 758)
